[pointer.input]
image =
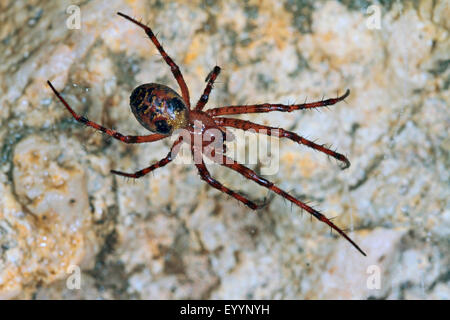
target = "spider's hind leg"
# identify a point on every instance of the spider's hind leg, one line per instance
(109, 132)
(173, 66)
(161, 163)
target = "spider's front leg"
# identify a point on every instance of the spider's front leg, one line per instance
(269, 107)
(206, 176)
(112, 133)
(250, 174)
(161, 163)
(247, 125)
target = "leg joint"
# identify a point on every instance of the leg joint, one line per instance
(83, 119)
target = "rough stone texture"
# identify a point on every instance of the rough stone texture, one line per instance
(169, 235)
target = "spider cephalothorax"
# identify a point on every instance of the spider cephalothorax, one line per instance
(161, 110)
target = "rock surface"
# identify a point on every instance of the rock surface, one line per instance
(169, 235)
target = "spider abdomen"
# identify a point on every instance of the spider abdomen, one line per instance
(159, 108)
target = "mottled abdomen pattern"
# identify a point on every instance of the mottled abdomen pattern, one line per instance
(158, 108)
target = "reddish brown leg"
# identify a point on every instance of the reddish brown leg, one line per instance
(112, 133)
(266, 107)
(247, 125)
(173, 66)
(206, 176)
(205, 96)
(161, 163)
(250, 174)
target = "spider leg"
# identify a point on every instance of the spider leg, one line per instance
(250, 174)
(267, 107)
(173, 66)
(206, 176)
(247, 125)
(205, 96)
(161, 163)
(112, 133)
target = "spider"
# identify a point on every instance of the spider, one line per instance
(164, 112)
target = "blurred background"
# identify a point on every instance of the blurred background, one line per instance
(70, 229)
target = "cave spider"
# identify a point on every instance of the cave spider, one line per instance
(163, 111)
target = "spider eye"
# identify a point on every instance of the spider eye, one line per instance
(162, 126)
